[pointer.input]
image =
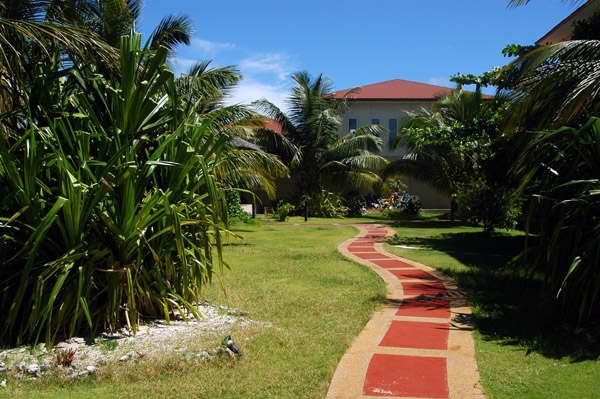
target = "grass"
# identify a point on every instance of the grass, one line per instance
(289, 276)
(521, 352)
(317, 302)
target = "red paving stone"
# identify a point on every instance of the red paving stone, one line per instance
(425, 308)
(394, 263)
(406, 376)
(363, 240)
(362, 249)
(416, 334)
(412, 274)
(426, 289)
(372, 256)
(403, 375)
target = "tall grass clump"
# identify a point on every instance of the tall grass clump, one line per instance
(109, 208)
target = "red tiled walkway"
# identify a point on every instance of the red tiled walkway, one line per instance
(420, 345)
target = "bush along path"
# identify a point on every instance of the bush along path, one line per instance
(420, 345)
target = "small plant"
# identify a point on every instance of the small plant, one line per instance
(283, 211)
(107, 344)
(411, 204)
(325, 204)
(491, 205)
(234, 208)
(65, 357)
(354, 207)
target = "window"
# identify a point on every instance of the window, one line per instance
(352, 125)
(393, 126)
(375, 121)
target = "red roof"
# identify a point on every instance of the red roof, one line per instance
(399, 90)
(271, 124)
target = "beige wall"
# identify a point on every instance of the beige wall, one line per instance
(365, 111)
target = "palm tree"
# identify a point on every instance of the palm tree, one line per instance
(33, 49)
(310, 140)
(246, 166)
(553, 85)
(438, 141)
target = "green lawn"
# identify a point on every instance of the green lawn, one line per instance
(317, 302)
(290, 276)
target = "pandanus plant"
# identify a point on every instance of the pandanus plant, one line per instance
(110, 212)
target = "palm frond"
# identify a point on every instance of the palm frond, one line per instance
(553, 85)
(171, 31)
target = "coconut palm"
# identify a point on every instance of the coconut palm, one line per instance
(310, 140)
(33, 48)
(244, 165)
(553, 85)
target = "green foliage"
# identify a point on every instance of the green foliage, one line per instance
(234, 209)
(448, 145)
(283, 211)
(311, 144)
(552, 86)
(560, 172)
(587, 29)
(325, 204)
(112, 211)
(411, 204)
(354, 207)
(517, 50)
(487, 78)
(494, 206)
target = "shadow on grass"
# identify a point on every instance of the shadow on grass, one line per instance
(504, 301)
(468, 242)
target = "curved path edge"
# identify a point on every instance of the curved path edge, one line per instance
(390, 358)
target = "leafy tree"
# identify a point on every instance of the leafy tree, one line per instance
(311, 144)
(446, 144)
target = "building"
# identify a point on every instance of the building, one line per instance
(564, 30)
(386, 104)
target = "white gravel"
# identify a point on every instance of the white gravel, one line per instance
(156, 337)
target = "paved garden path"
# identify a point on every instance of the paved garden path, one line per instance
(420, 345)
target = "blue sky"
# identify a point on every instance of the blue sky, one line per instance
(353, 42)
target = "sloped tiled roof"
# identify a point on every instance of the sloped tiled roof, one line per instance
(398, 90)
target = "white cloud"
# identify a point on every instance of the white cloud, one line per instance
(265, 76)
(278, 64)
(441, 81)
(208, 47)
(249, 90)
(180, 65)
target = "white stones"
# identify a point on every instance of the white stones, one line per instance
(129, 356)
(33, 369)
(156, 337)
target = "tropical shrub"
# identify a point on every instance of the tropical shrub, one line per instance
(234, 208)
(283, 211)
(560, 171)
(110, 212)
(411, 204)
(494, 206)
(354, 206)
(325, 204)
